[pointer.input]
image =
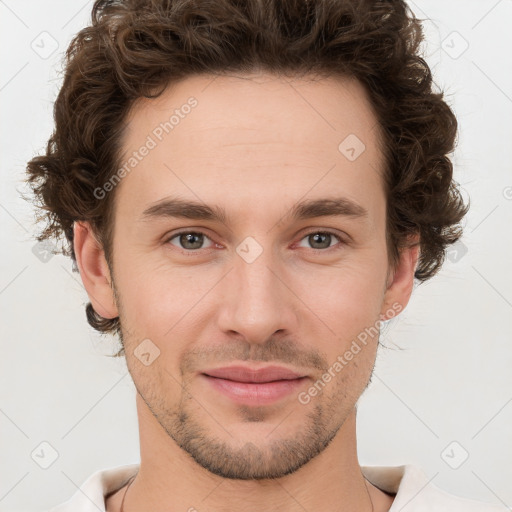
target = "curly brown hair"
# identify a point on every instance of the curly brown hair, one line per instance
(136, 48)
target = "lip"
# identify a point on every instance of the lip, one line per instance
(246, 374)
(248, 386)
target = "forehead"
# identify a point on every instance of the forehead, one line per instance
(335, 106)
(250, 137)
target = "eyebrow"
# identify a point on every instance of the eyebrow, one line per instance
(188, 209)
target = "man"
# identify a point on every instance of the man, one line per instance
(248, 191)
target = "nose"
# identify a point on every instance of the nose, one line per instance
(257, 299)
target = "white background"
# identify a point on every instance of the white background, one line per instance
(447, 376)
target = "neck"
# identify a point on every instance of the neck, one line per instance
(169, 479)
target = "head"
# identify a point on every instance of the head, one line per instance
(249, 181)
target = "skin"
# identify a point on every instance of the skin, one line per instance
(255, 145)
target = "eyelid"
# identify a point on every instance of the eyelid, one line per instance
(168, 238)
(343, 239)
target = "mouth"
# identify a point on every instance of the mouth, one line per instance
(254, 386)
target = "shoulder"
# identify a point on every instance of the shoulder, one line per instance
(415, 492)
(92, 494)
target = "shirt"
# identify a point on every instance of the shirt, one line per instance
(412, 489)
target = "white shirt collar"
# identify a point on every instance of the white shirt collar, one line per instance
(413, 491)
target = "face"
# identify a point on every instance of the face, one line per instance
(283, 261)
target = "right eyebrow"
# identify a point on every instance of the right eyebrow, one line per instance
(181, 208)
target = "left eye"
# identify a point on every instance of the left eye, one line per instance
(321, 239)
(190, 240)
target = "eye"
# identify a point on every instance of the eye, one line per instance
(321, 239)
(194, 240)
(190, 240)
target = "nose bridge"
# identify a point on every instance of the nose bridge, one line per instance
(258, 304)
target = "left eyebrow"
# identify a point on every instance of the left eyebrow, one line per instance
(328, 207)
(189, 209)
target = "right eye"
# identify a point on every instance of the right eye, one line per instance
(189, 240)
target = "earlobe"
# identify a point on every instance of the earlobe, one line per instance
(94, 270)
(400, 282)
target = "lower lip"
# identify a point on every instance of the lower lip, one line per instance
(255, 393)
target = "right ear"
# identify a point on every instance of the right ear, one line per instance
(94, 271)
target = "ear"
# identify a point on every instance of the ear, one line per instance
(400, 281)
(94, 270)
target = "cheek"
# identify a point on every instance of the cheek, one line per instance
(347, 297)
(160, 300)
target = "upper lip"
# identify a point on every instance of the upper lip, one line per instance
(246, 374)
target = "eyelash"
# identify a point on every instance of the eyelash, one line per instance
(191, 251)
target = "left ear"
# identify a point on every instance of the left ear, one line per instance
(401, 280)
